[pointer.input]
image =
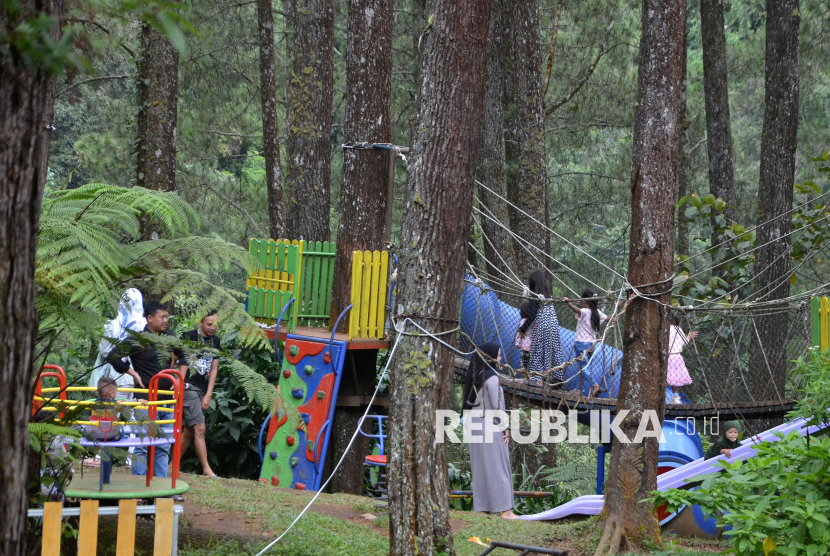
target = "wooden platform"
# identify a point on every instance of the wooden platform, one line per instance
(567, 401)
(325, 334)
(121, 486)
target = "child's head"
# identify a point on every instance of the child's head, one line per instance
(537, 283)
(589, 301)
(673, 319)
(731, 430)
(526, 309)
(107, 388)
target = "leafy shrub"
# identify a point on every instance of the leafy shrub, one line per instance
(777, 502)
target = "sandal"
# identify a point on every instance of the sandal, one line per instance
(178, 499)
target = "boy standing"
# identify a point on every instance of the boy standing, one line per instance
(146, 363)
(199, 388)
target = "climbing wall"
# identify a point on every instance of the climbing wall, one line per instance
(299, 428)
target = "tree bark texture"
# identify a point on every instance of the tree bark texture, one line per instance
(270, 124)
(308, 143)
(27, 101)
(434, 231)
(365, 181)
(775, 197)
(657, 120)
(158, 97)
(718, 123)
(498, 243)
(524, 135)
(684, 169)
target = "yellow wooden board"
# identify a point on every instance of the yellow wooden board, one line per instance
(51, 529)
(163, 543)
(88, 528)
(125, 544)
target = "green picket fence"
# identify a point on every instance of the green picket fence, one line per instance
(317, 273)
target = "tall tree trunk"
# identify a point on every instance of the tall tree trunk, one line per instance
(775, 197)
(633, 471)
(308, 145)
(368, 118)
(498, 244)
(27, 101)
(158, 97)
(270, 124)
(718, 124)
(684, 169)
(524, 134)
(365, 180)
(434, 231)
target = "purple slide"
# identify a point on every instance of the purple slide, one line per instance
(592, 504)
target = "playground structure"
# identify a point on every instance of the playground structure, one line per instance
(157, 430)
(484, 317)
(290, 295)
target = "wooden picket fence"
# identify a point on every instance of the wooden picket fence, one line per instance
(370, 276)
(820, 313)
(317, 274)
(166, 533)
(275, 282)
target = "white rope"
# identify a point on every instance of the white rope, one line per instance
(525, 244)
(549, 229)
(756, 227)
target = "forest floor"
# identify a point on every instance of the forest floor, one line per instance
(231, 516)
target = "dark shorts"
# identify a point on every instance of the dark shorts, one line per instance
(192, 406)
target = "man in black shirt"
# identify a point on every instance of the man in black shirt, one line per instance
(145, 363)
(199, 388)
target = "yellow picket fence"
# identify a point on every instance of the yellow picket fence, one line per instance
(370, 275)
(166, 535)
(820, 313)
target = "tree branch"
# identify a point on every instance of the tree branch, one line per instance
(699, 143)
(225, 134)
(552, 47)
(237, 207)
(104, 78)
(105, 30)
(585, 79)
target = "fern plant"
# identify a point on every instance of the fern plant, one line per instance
(90, 250)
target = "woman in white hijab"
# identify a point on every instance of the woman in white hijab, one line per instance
(130, 317)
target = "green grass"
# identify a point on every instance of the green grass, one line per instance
(274, 509)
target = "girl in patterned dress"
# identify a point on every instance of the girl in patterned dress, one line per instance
(546, 346)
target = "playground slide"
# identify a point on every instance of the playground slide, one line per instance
(676, 478)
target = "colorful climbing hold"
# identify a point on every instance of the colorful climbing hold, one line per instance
(310, 445)
(273, 455)
(287, 373)
(320, 394)
(263, 481)
(295, 461)
(299, 486)
(298, 393)
(306, 417)
(280, 413)
(327, 357)
(289, 440)
(309, 370)
(294, 350)
(275, 481)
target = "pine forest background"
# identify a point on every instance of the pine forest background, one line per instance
(587, 141)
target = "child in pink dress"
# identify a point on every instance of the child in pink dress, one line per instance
(678, 374)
